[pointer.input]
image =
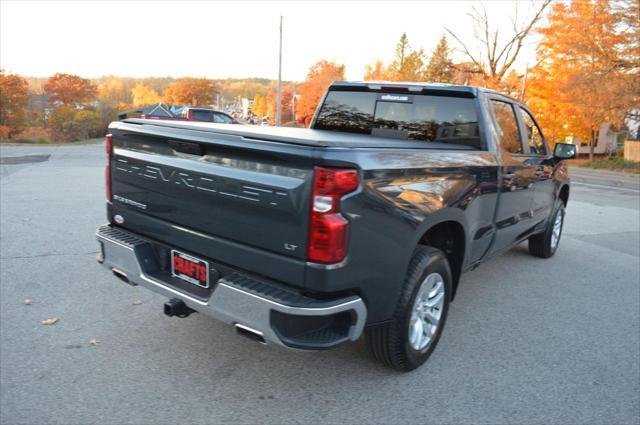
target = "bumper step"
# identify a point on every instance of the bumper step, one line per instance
(279, 315)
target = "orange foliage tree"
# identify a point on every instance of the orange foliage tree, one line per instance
(112, 91)
(375, 72)
(13, 99)
(587, 72)
(68, 89)
(190, 91)
(320, 76)
(143, 95)
(286, 104)
(259, 106)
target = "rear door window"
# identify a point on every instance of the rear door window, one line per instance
(423, 118)
(506, 119)
(221, 118)
(201, 115)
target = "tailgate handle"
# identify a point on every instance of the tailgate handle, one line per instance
(187, 147)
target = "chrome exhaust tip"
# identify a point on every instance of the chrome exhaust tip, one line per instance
(252, 334)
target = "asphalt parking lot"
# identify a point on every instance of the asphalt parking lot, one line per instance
(527, 340)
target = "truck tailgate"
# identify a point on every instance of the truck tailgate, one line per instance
(248, 192)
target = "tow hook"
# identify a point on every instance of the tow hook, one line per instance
(177, 307)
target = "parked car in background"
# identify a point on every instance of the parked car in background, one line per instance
(162, 111)
(189, 113)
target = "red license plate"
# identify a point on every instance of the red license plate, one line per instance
(189, 268)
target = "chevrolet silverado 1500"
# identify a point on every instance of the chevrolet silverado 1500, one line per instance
(361, 224)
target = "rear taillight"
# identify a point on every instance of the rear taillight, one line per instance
(327, 227)
(107, 171)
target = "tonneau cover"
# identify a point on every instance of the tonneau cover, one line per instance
(288, 135)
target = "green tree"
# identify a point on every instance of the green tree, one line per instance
(408, 64)
(60, 121)
(13, 99)
(69, 123)
(86, 124)
(440, 67)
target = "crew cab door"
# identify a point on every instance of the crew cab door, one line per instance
(517, 176)
(540, 157)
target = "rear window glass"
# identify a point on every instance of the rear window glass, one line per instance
(425, 118)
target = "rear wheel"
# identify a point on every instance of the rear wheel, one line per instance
(409, 338)
(544, 245)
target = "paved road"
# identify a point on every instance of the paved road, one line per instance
(604, 179)
(527, 341)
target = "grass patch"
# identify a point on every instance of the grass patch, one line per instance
(613, 163)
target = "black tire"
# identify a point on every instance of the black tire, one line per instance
(389, 342)
(540, 245)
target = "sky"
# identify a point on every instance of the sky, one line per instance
(227, 39)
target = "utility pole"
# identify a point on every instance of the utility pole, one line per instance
(279, 105)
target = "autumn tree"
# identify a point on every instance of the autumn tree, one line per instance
(493, 53)
(375, 72)
(13, 99)
(68, 89)
(247, 87)
(190, 91)
(629, 13)
(511, 84)
(112, 91)
(70, 123)
(320, 76)
(286, 104)
(586, 72)
(259, 106)
(440, 66)
(143, 95)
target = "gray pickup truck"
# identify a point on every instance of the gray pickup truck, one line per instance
(363, 223)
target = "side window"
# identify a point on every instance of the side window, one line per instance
(221, 118)
(534, 136)
(197, 115)
(506, 119)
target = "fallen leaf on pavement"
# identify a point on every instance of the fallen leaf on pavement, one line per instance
(50, 321)
(94, 342)
(27, 302)
(136, 302)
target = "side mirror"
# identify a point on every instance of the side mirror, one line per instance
(564, 151)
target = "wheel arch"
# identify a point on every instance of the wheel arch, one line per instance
(447, 234)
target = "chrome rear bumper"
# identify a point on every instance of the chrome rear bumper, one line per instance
(278, 316)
